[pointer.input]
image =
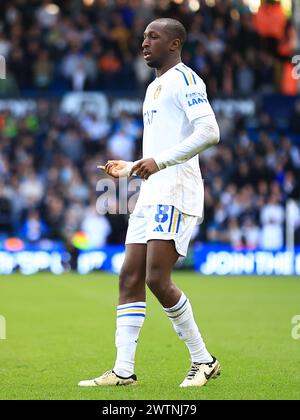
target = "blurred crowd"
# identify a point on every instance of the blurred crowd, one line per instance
(48, 177)
(56, 46)
(248, 182)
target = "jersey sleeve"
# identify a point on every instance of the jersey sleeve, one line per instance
(191, 96)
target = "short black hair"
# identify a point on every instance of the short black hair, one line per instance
(174, 28)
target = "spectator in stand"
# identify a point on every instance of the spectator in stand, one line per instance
(6, 218)
(96, 128)
(96, 227)
(5, 45)
(272, 218)
(31, 189)
(234, 234)
(121, 146)
(143, 74)
(287, 46)
(269, 23)
(43, 70)
(250, 234)
(34, 228)
(110, 67)
(295, 119)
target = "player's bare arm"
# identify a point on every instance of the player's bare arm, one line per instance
(116, 168)
(119, 168)
(144, 168)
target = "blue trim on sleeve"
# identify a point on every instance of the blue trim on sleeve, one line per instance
(185, 78)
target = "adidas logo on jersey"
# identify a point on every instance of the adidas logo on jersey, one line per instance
(158, 229)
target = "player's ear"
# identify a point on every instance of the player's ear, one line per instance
(175, 44)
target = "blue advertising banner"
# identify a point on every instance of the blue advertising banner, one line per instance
(31, 262)
(16, 255)
(223, 260)
(109, 258)
(207, 259)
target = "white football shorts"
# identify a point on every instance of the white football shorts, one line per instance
(164, 222)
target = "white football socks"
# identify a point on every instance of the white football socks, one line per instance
(130, 319)
(181, 316)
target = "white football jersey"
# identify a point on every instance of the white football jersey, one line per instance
(172, 102)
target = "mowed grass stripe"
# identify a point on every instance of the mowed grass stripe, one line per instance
(60, 329)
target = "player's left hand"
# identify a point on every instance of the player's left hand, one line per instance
(144, 168)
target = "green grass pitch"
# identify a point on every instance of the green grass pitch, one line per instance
(60, 329)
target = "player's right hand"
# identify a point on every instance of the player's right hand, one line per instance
(116, 168)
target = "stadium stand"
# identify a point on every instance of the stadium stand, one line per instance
(48, 157)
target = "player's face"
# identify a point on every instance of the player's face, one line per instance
(156, 45)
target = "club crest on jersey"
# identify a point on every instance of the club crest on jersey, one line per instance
(157, 92)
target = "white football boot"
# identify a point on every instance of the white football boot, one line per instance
(109, 378)
(200, 373)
